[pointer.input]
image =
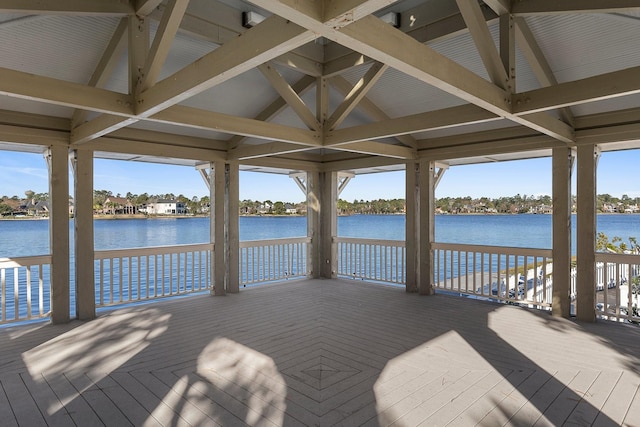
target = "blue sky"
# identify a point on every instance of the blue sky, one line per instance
(616, 175)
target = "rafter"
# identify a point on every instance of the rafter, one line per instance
(432, 120)
(355, 95)
(264, 150)
(145, 7)
(537, 61)
(60, 92)
(67, 7)
(266, 41)
(500, 7)
(550, 7)
(380, 149)
(209, 120)
(596, 88)
(288, 93)
(489, 54)
(165, 34)
(300, 87)
(110, 58)
(371, 109)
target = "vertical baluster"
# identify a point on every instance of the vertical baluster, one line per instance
(16, 293)
(28, 271)
(41, 289)
(3, 294)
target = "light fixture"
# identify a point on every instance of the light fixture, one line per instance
(250, 19)
(392, 18)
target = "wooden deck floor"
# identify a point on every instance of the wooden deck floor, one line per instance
(320, 352)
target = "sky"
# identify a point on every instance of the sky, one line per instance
(20, 172)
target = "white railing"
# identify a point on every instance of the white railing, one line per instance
(263, 261)
(370, 259)
(618, 287)
(517, 275)
(24, 288)
(129, 275)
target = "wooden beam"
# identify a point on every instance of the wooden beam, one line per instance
(145, 7)
(68, 7)
(265, 41)
(209, 120)
(101, 125)
(26, 135)
(380, 149)
(108, 62)
(355, 95)
(596, 88)
(117, 145)
(487, 49)
(552, 7)
(165, 34)
(300, 87)
(289, 94)
(432, 120)
(338, 13)
(537, 61)
(60, 92)
(500, 7)
(371, 109)
(264, 150)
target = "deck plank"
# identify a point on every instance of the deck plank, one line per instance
(320, 352)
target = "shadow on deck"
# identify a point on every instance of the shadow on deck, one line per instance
(321, 352)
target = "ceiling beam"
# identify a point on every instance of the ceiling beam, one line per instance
(264, 42)
(145, 7)
(288, 93)
(99, 126)
(355, 95)
(338, 13)
(208, 120)
(379, 149)
(550, 7)
(596, 88)
(60, 92)
(432, 120)
(263, 150)
(371, 109)
(500, 7)
(68, 7)
(300, 87)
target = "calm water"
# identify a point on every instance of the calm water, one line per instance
(29, 237)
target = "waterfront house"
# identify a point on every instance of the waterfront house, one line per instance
(118, 206)
(165, 207)
(320, 91)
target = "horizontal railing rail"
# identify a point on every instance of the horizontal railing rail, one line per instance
(25, 288)
(263, 261)
(372, 259)
(515, 275)
(618, 287)
(130, 275)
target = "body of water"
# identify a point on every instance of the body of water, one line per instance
(31, 237)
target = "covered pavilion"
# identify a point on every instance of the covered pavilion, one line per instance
(320, 90)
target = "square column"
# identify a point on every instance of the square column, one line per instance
(561, 165)
(313, 223)
(224, 187)
(328, 224)
(426, 226)
(58, 162)
(586, 234)
(82, 161)
(412, 241)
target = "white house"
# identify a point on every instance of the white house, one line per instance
(165, 207)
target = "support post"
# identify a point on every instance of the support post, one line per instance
(57, 159)
(412, 243)
(561, 172)
(83, 234)
(586, 234)
(313, 224)
(217, 213)
(232, 220)
(426, 226)
(328, 224)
